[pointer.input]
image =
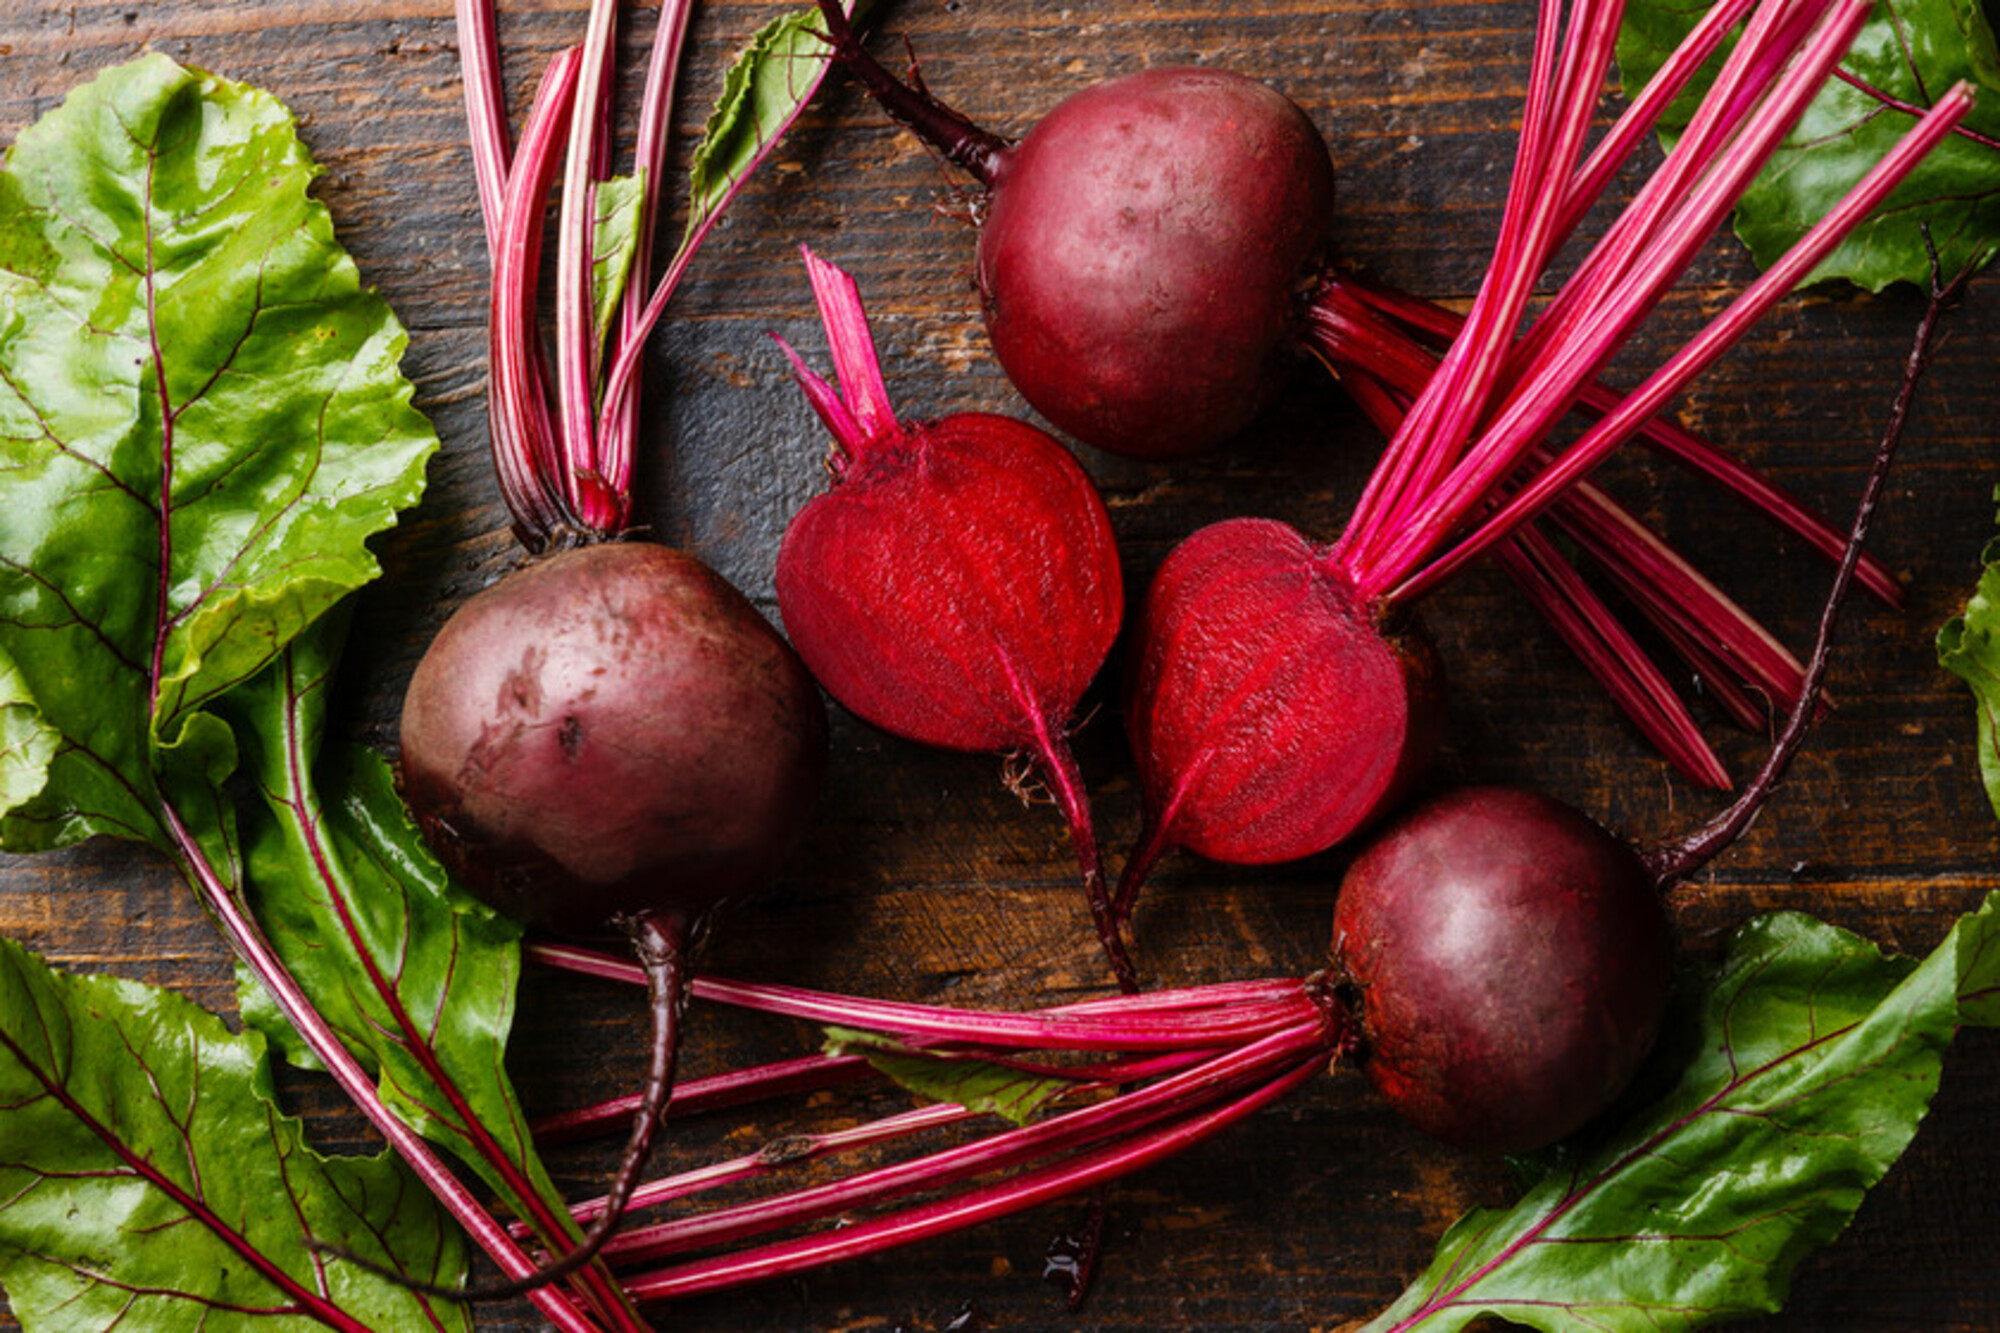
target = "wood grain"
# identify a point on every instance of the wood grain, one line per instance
(921, 877)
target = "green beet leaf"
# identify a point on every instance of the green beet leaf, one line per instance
(1015, 1095)
(1910, 51)
(416, 976)
(201, 422)
(614, 245)
(151, 1182)
(27, 742)
(763, 92)
(1967, 648)
(1804, 1067)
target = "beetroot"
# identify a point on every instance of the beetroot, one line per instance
(612, 739)
(1510, 962)
(612, 731)
(959, 585)
(1197, 182)
(1146, 250)
(1260, 687)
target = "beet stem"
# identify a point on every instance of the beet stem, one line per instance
(1672, 592)
(1628, 272)
(741, 1087)
(524, 432)
(1066, 784)
(661, 942)
(1667, 589)
(863, 396)
(1118, 1119)
(246, 939)
(649, 157)
(1706, 346)
(1678, 860)
(1343, 333)
(792, 1002)
(485, 110)
(781, 1154)
(1604, 645)
(943, 128)
(576, 370)
(941, 1217)
(788, 1151)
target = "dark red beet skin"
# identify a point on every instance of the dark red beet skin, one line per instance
(614, 729)
(1512, 961)
(977, 618)
(1270, 714)
(1141, 258)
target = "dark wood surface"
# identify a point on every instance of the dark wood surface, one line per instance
(921, 877)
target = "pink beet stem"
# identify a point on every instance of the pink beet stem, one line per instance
(524, 434)
(1116, 1118)
(1457, 388)
(1772, 33)
(944, 1216)
(586, 961)
(1340, 335)
(485, 110)
(702, 1095)
(787, 1153)
(1048, 1030)
(1720, 333)
(782, 1155)
(1575, 611)
(1645, 110)
(1386, 513)
(862, 390)
(1184, 1019)
(1672, 591)
(576, 369)
(1616, 295)
(1613, 657)
(827, 404)
(649, 158)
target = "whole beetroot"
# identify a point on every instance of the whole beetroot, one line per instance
(610, 730)
(1142, 258)
(1146, 251)
(959, 584)
(1510, 961)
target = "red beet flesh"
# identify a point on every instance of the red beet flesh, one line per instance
(611, 730)
(958, 587)
(1512, 961)
(1270, 714)
(1141, 259)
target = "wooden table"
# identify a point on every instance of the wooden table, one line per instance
(921, 878)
